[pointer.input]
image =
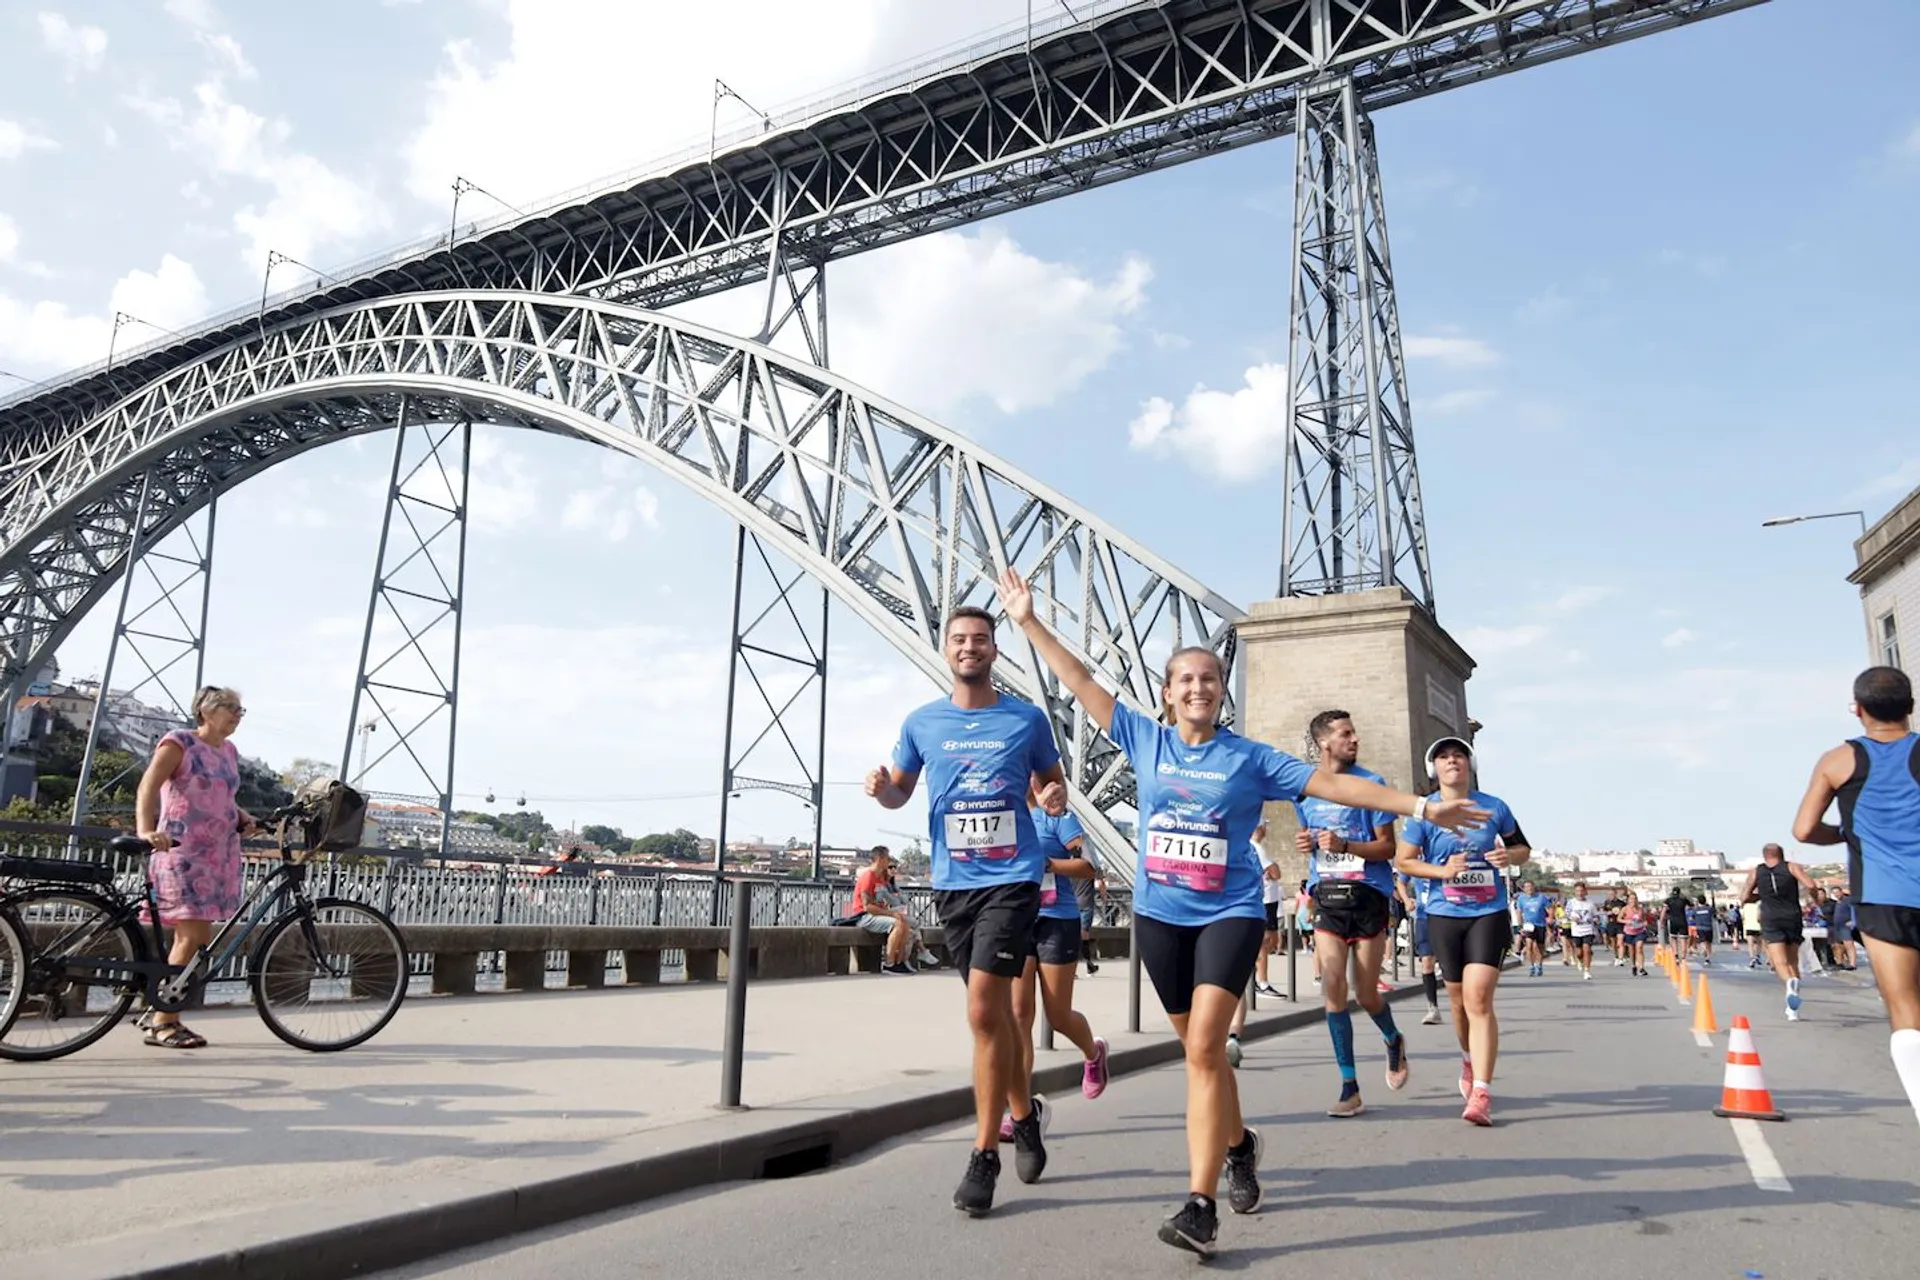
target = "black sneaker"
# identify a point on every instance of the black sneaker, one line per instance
(974, 1195)
(1243, 1174)
(1093, 966)
(1030, 1143)
(1193, 1228)
(899, 969)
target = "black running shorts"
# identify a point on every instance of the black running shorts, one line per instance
(1899, 926)
(1459, 941)
(1273, 917)
(1056, 941)
(1781, 928)
(990, 929)
(1350, 910)
(1179, 957)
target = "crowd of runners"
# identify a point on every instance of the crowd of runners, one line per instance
(1209, 897)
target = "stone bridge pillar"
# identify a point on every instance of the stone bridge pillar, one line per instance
(1377, 654)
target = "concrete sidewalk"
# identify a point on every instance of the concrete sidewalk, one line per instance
(470, 1114)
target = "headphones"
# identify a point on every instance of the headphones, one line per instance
(1434, 750)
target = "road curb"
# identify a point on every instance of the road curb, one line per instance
(359, 1232)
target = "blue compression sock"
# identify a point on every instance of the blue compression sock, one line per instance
(1384, 1021)
(1340, 1026)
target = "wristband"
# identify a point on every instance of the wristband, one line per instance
(1420, 809)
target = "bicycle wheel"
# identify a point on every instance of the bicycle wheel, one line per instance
(65, 1003)
(13, 966)
(334, 982)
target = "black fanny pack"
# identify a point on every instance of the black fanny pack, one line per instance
(1338, 893)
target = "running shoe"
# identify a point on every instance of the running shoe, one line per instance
(1397, 1066)
(1006, 1127)
(1349, 1104)
(1386, 987)
(1433, 1016)
(902, 969)
(974, 1195)
(1267, 989)
(1193, 1228)
(1243, 1172)
(1233, 1051)
(1793, 995)
(1093, 966)
(1466, 1080)
(1479, 1109)
(1093, 1076)
(1316, 979)
(927, 959)
(1793, 1014)
(1586, 975)
(1030, 1142)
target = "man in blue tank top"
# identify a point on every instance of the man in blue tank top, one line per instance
(1350, 876)
(981, 751)
(1876, 779)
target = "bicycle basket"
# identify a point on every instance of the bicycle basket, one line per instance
(330, 815)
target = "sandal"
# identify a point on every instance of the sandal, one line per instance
(175, 1035)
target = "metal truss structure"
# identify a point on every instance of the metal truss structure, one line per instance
(782, 656)
(900, 519)
(1352, 518)
(409, 675)
(1132, 91)
(161, 623)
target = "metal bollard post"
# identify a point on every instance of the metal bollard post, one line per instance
(1293, 958)
(1046, 1023)
(1133, 972)
(733, 1049)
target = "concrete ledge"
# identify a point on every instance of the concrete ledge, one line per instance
(355, 1233)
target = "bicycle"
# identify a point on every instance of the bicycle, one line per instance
(319, 962)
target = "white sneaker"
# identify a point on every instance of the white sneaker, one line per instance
(1617, 962)
(1586, 975)
(1793, 1014)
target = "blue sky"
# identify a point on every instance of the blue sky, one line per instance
(1654, 295)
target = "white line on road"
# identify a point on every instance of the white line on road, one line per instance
(1766, 1170)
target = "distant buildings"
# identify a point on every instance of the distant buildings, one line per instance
(1888, 575)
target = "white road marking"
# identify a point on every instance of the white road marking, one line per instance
(1702, 1039)
(1766, 1170)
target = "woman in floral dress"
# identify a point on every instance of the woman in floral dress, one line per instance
(188, 813)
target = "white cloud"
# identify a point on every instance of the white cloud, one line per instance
(198, 14)
(50, 336)
(1895, 483)
(1909, 145)
(614, 508)
(1450, 350)
(1485, 641)
(82, 48)
(310, 207)
(1234, 436)
(9, 238)
(1676, 638)
(946, 319)
(17, 139)
(1448, 403)
(1575, 599)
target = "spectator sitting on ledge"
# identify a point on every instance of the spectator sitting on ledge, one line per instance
(872, 904)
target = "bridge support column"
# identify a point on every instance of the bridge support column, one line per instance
(781, 654)
(1352, 519)
(161, 626)
(407, 690)
(1376, 654)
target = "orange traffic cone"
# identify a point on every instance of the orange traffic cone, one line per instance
(1744, 1095)
(1703, 1010)
(1686, 984)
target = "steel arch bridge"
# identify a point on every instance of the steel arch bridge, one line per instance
(899, 518)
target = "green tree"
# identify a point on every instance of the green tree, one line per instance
(605, 837)
(679, 843)
(303, 770)
(21, 809)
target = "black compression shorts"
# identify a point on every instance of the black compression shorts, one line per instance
(1783, 928)
(1459, 941)
(1056, 941)
(1350, 910)
(1179, 957)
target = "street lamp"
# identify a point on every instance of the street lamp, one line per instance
(1777, 521)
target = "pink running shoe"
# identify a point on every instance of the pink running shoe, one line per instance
(1479, 1109)
(1093, 1077)
(1006, 1127)
(1466, 1080)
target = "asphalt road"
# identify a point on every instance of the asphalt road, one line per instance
(1605, 1157)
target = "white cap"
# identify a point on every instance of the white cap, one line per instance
(1449, 741)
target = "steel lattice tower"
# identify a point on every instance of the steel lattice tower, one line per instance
(1352, 520)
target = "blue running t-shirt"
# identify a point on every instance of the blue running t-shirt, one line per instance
(1351, 825)
(1533, 908)
(1481, 889)
(977, 767)
(1880, 816)
(1057, 900)
(1198, 807)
